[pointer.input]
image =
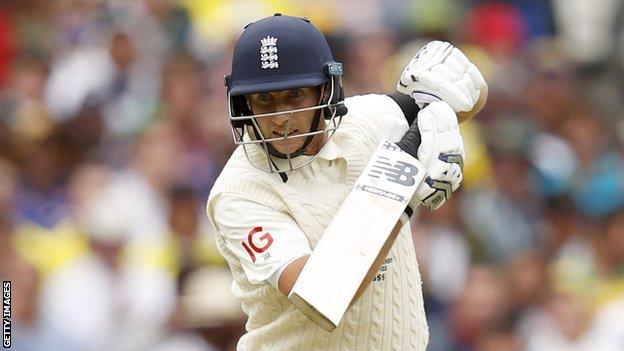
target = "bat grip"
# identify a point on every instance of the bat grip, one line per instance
(411, 140)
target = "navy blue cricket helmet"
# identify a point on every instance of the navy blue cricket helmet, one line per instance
(279, 53)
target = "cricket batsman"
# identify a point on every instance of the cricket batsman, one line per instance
(302, 146)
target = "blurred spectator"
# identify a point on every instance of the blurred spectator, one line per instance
(184, 107)
(24, 109)
(598, 188)
(610, 260)
(504, 216)
(139, 189)
(206, 307)
(528, 278)
(193, 246)
(368, 53)
(608, 326)
(482, 307)
(102, 297)
(42, 198)
(503, 338)
(443, 253)
(7, 251)
(587, 30)
(8, 187)
(497, 26)
(30, 333)
(7, 44)
(566, 325)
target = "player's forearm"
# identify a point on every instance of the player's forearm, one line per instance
(290, 274)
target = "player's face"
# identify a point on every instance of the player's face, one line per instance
(286, 124)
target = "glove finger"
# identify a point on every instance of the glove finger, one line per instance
(428, 146)
(474, 92)
(434, 45)
(445, 72)
(445, 117)
(464, 87)
(438, 50)
(449, 173)
(452, 175)
(448, 136)
(431, 80)
(450, 143)
(430, 197)
(452, 158)
(403, 85)
(422, 94)
(455, 97)
(476, 76)
(438, 169)
(430, 55)
(422, 97)
(461, 58)
(455, 66)
(457, 176)
(442, 185)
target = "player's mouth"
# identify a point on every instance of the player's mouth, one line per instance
(281, 134)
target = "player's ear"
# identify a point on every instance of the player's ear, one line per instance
(248, 103)
(324, 92)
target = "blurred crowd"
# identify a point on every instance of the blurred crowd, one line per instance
(113, 127)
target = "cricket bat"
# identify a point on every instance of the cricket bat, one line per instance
(364, 222)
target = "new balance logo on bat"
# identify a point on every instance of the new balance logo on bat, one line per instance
(390, 146)
(398, 172)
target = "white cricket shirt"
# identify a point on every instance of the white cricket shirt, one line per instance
(266, 241)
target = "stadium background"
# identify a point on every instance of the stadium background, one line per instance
(113, 126)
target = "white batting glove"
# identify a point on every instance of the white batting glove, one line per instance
(440, 71)
(442, 153)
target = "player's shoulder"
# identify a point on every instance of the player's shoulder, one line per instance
(371, 104)
(366, 115)
(236, 170)
(238, 165)
(239, 177)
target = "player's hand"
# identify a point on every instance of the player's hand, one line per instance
(442, 152)
(440, 71)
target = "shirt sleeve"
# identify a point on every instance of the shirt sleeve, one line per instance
(383, 112)
(264, 240)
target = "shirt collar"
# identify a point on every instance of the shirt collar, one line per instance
(330, 152)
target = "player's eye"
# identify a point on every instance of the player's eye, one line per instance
(265, 98)
(295, 93)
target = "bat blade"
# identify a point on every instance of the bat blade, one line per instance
(354, 238)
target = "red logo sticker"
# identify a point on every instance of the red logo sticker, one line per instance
(250, 247)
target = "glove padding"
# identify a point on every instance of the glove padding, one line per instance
(440, 71)
(442, 153)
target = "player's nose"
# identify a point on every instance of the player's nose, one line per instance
(280, 119)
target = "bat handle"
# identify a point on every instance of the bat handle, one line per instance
(411, 140)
